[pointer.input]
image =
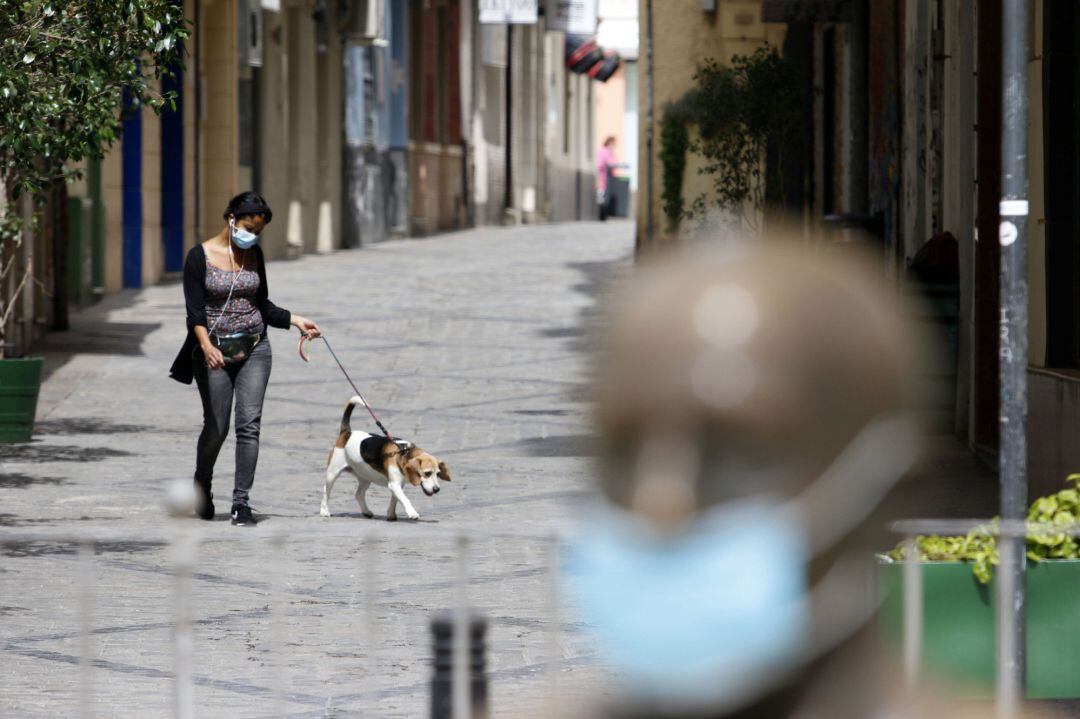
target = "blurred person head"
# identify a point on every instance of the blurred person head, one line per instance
(754, 404)
(609, 142)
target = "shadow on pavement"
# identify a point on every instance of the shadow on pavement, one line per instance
(563, 332)
(86, 425)
(14, 520)
(23, 481)
(93, 333)
(571, 445)
(40, 452)
(598, 278)
(45, 549)
(543, 412)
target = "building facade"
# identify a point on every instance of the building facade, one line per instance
(356, 120)
(453, 121)
(904, 143)
(676, 37)
(259, 106)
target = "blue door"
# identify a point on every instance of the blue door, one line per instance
(131, 194)
(172, 175)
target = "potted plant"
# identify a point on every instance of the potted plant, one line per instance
(67, 71)
(959, 597)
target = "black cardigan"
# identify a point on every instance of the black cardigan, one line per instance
(195, 299)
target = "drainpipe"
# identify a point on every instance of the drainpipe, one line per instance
(467, 84)
(649, 126)
(97, 229)
(1011, 606)
(508, 200)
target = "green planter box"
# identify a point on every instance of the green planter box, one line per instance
(20, 380)
(958, 626)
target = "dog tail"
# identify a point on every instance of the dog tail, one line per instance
(346, 418)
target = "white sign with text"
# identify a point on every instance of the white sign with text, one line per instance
(514, 12)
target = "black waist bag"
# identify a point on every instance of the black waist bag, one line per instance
(235, 347)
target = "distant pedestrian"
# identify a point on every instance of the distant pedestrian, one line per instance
(227, 350)
(605, 169)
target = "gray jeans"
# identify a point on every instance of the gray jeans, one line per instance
(246, 381)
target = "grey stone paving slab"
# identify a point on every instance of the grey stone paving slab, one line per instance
(470, 344)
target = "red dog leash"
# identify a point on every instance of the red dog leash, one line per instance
(303, 356)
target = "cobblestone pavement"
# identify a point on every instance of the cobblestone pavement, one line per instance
(471, 344)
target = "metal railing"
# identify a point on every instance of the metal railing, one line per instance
(183, 541)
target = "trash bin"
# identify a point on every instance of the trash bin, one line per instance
(618, 196)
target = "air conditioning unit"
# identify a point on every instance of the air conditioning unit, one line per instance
(367, 22)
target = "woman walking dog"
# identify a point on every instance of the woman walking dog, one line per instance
(227, 350)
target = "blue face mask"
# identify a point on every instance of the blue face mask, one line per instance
(699, 616)
(242, 238)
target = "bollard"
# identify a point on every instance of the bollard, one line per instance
(442, 700)
(185, 559)
(86, 630)
(279, 617)
(553, 649)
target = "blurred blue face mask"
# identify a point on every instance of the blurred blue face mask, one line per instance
(720, 609)
(242, 238)
(701, 614)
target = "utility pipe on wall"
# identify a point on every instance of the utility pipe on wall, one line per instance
(649, 125)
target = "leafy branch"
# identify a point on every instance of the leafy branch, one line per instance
(674, 143)
(759, 102)
(70, 71)
(979, 546)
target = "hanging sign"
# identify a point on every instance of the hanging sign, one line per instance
(576, 17)
(513, 12)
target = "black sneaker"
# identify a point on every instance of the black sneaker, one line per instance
(241, 516)
(204, 502)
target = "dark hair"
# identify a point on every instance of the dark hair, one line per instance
(609, 140)
(248, 204)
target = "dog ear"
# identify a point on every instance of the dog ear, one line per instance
(444, 473)
(412, 471)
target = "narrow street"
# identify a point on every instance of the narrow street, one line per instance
(706, 521)
(470, 344)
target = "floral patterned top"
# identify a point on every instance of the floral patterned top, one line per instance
(242, 313)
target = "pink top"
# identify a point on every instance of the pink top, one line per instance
(604, 159)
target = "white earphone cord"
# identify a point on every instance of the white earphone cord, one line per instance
(236, 276)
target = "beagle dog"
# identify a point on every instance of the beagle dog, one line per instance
(385, 462)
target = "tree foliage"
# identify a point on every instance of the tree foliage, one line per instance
(64, 68)
(67, 69)
(759, 102)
